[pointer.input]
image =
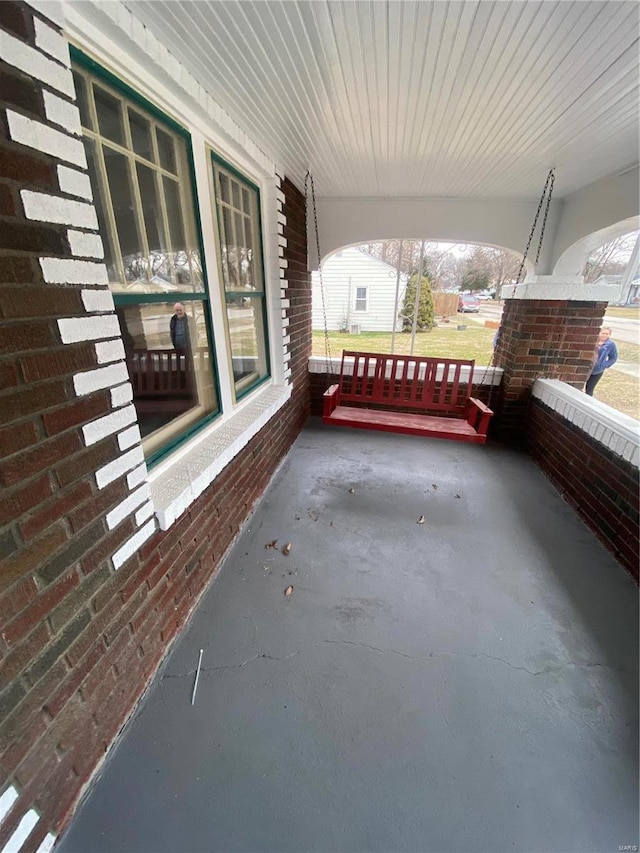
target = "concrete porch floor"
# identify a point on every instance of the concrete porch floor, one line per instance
(466, 684)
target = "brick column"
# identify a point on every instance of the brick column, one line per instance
(549, 329)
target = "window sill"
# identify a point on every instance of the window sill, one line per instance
(179, 480)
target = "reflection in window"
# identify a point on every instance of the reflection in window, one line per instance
(238, 216)
(168, 354)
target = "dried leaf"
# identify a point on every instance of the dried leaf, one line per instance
(457, 496)
(434, 486)
(421, 519)
(352, 491)
(286, 549)
(272, 544)
(288, 591)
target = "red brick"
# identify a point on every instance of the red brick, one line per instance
(18, 303)
(107, 546)
(80, 671)
(38, 609)
(69, 359)
(21, 656)
(26, 716)
(8, 375)
(18, 270)
(23, 337)
(19, 500)
(40, 459)
(19, 236)
(28, 401)
(14, 163)
(17, 598)
(16, 18)
(31, 556)
(7, 201)
(54, 510)
(87, 462)
(12, 440)
(80, 412)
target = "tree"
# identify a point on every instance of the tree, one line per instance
(610, 259)
(476, 280)
(425, 318)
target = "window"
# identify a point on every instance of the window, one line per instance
(361, 299)
(140, 166)
(242, 273)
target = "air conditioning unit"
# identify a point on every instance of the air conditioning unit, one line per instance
(354, 328)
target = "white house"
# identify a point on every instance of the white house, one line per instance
(359, 293)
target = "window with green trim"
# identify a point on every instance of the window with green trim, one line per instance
(242, 273)
(141, 171)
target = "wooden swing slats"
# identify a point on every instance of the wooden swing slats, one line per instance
(379, 386)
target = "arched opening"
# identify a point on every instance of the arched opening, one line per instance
(368, 297)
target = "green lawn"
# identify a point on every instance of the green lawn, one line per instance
(630, 313)
(618, 390)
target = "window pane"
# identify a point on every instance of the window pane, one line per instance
(83, 103)
(99, 202)
(140, 135)
(247, 339)
(236, 194)
(166, 151)
(151, 209)
(109, 115)
(174, 213)
(230, 252)
(224, 187)
(135, 265)
(246, 201)
(168, 355)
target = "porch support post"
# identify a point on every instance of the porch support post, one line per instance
(549, 329)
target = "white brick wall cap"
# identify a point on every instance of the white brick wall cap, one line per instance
(107, 351)
(128, 506)
(36, 64)
(481, 375)
(177, 481)
(110, 472)
(85, 245)
(22, 832)
(70, 271)
(73, 182)
(131, 546)
(43, 207)
(51, 42)
(101, 377)
(75, 329)
(63, 113)
(618, 432)
(552, 287)
(8, 798)
(97, 300)
(107, 425)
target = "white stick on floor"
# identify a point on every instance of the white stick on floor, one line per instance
(195, 684)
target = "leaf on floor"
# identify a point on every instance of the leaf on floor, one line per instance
(434, 486)
(287, 549)
(457, 496)
(421, 519)
(272, 544)
(352, 491)
(288, 591)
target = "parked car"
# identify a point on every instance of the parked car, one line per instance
(468, 304)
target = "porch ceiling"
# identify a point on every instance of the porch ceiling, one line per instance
(432, 99)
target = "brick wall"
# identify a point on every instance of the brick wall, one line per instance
(91, 593)
(550, 338)
(602, 487)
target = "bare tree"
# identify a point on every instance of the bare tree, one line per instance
(610, 259)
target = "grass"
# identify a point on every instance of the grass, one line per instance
(630, 313)
(616, 389)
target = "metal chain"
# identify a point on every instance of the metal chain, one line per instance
(327, 345)
(547, 186)
(550, 181)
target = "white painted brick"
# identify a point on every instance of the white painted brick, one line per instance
(34, 63)
(144, 513)
(285, 303)
(285, 342)
(127, 506)
(280, 196)
(129, 437)
(67, 271)
(53, 208)
(62, 113)
(51, 42)
(285, 323)
(7, 800)
(121, 395)
(47, 844)
(74, 329)
(102, 427)
(53, 10)
(137, 540)
(282, 241)
(47, 139)
(110, 472)
(97, 300)
(136, 477)
(107, 351)
(85, 245)
(102, 377)
(22, 832)
(73, 182)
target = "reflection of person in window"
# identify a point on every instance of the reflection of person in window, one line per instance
(179, 328)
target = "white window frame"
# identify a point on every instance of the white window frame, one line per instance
(357, 299)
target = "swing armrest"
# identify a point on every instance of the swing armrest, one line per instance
(478, 415)
(331, 399)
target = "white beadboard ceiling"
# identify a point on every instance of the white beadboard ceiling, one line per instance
(432, 99)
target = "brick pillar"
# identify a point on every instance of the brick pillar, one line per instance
(546, 332)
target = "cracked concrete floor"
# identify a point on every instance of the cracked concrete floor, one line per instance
(466, 684)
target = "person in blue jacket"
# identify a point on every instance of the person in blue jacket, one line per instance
(606, 355)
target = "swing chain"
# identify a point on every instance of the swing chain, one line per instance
(327, 345)
(548, 185)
